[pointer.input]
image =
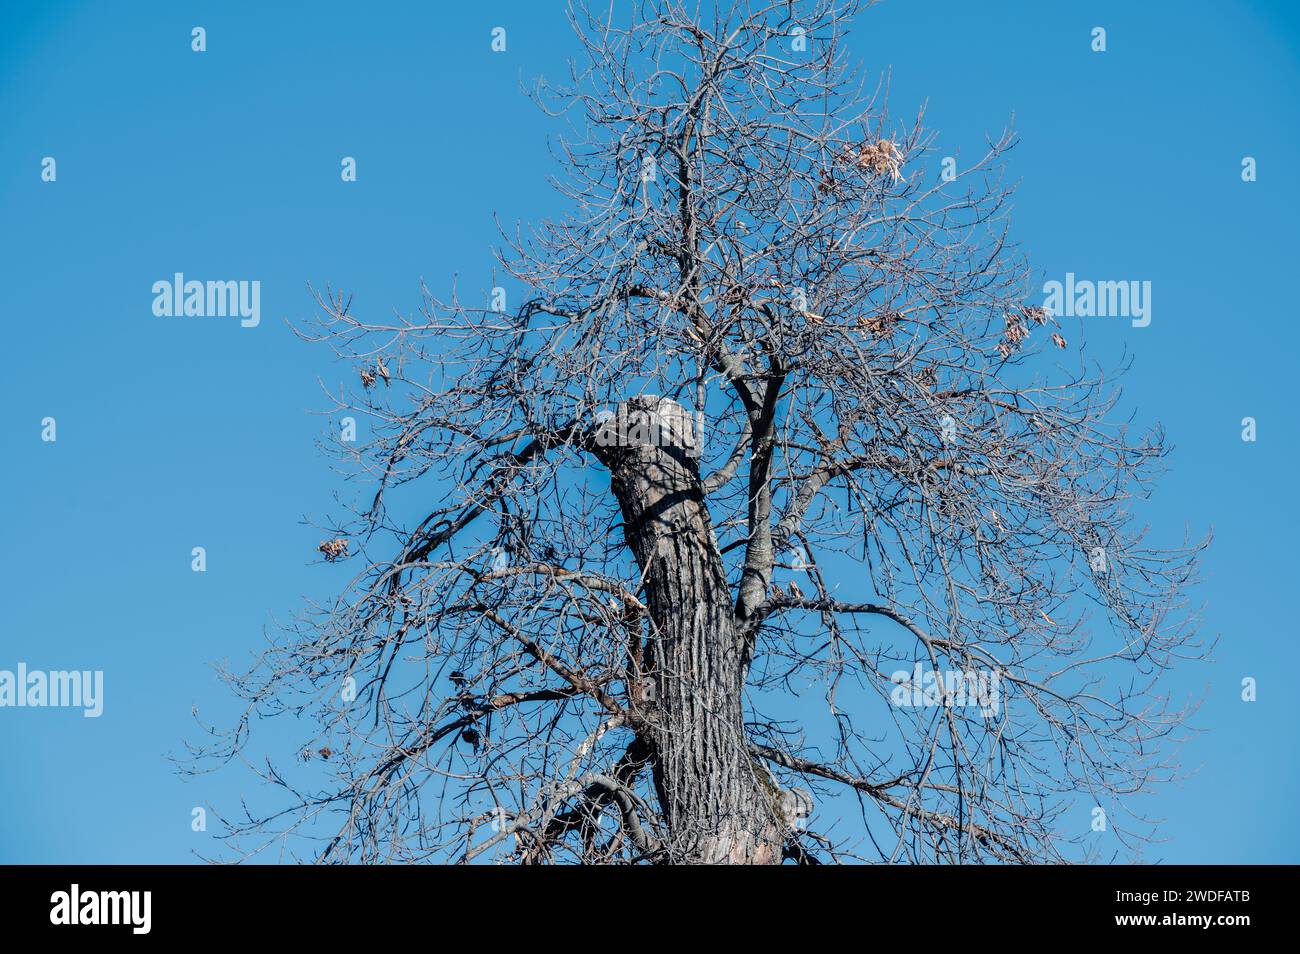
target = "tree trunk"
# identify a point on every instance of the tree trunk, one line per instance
(716, 807)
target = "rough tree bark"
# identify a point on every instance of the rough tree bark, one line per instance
(715, 805)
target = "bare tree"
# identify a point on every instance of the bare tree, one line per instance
(773, 423)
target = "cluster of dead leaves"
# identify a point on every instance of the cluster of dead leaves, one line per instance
(883, 324)
(334, 549)
(369, 376)
(880, 158)
(1017, 329)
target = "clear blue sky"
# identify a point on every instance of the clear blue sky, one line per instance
(175, 434)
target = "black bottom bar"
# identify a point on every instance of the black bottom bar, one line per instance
(487, 906)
